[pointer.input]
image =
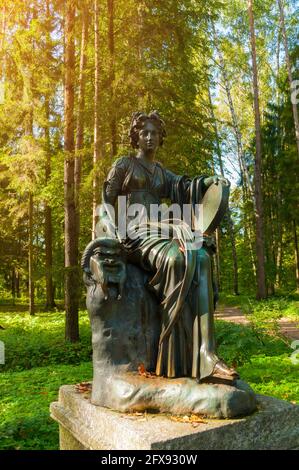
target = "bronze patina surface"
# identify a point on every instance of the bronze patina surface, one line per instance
(151, 298)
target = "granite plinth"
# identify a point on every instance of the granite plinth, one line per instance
(275, 425)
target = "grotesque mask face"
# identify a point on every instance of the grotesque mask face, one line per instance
(108, 268)
(149, 137)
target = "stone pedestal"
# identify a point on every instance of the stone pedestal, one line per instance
(85, 426)
(128, 392)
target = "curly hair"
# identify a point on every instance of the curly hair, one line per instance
(138, 121)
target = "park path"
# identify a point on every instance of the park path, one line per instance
(288, 328)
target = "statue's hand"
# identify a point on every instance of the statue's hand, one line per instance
(216, 180)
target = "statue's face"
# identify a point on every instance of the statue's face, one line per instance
(148, 137)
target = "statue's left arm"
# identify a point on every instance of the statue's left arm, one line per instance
(186, 190)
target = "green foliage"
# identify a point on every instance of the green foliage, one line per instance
(24, 405)
(39, 340)
(164, 58)
(238, 344)
(275, 376)
(264, 312)
(25, 395)
(271, 309)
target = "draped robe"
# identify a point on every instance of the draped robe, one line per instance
(182, 277)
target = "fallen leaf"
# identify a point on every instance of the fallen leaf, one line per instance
(194, 420)
(142, 371)
(83, 387)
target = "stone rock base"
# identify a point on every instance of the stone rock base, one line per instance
(129, 392)
(86, 426)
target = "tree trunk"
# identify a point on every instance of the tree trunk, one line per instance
(28, 126)
(234, 251)
(30, 256)
(17, 274)
(289, 68)
(97, 139)
(229, 216)
(296, 254)
(260, 249)
(80, 118)
(247, 189)
(218, 261)
(71, 249)
(50, 304)
(279, 256)
(3, 55)
(271, 250)
(13, 284)
(235, 123)
(110, 5)
(248, 236)
(278, 266)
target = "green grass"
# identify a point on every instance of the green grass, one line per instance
(275, 376)
(35, 341)
(238, 344)
(24, 405)
(39, 362)
(265, 311)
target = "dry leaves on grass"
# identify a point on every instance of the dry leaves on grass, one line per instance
(83, 387)
(142, 371)
(194, 420)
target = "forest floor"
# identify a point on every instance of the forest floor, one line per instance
(288, 328)
(38, 361)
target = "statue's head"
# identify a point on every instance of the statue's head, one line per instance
(147, 131)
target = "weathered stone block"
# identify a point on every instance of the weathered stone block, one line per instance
(85, 426)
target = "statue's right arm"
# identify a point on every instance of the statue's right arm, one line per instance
(114, 181)
(112, 188)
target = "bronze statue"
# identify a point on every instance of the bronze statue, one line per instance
(150, 291)
(180, 278)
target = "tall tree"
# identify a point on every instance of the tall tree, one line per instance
(71, 247)
(97, 139)
(247, 190)
(289, 69)
(234, 118)
(28, 128)
(110, 4)
(50, 303)
(2, 51)
(30, 255)
(260, 249)
(229, 216)
(80, 115)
